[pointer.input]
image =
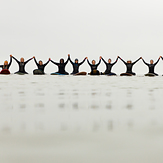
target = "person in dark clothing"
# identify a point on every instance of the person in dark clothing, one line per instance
(129, 65)
(41, 66)
(109, 66)
(152, 65)
(6, 65)
(22, 65)
(76, 65)
(94, 67)
(61, 66)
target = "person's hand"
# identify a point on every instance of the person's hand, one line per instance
(10, 55)
(69, 55)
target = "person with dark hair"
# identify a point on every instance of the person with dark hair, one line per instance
(61, 66)
(21, 65)
(109, 66)
(94, 67)
(6, 65)
(76, 66)
(41, 67)
(129, 65)
(151, 66)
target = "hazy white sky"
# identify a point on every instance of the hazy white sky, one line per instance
(128, 28)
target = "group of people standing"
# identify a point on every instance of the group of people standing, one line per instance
(76, 64)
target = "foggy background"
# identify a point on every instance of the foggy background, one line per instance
(90, 28)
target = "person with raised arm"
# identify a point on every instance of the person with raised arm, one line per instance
(76, 66)
(129, 65)
(41, 67)
(21, 65)
(61, 67)
(151, 66)
(5, 67)
(94, 67)
(109, 66)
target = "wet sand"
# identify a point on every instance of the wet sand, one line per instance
(67, 119)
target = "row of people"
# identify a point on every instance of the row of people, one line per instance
(62, 64)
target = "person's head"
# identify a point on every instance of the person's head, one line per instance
(40, 63)
(129, 61)
(93, 62)
(6, 63)
(109, 60)
(61, 60)
(151, 61)
(21, 59)
(76, 60)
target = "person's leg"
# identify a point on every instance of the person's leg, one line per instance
(103, 73)
(111, 73)
(66, 73)
(132, 73)
(16, 72)
(106, 73)
(156, 74)
(97, 73)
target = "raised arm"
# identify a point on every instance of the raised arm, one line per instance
(136, 61)
(67, 60)
(70, 60)
(28, 60)
(115, 61)
(35, 61)
(145, 62)
(54, 62)
(99, 61)
(122, 60)
(103, 60)
(15, 59)
(83, 61)
(10, 61)
(157, 61)
(88, 62)
(47, 62)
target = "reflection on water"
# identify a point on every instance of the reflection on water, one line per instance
(129, 106)
(6, 130)
(75, 105)
(110, 126)
(39, 105)
(61, 105)
(109, 107)
(94, 100)
(94, 106)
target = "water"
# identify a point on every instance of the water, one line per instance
(66, 119)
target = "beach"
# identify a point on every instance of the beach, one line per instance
(69, 119)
